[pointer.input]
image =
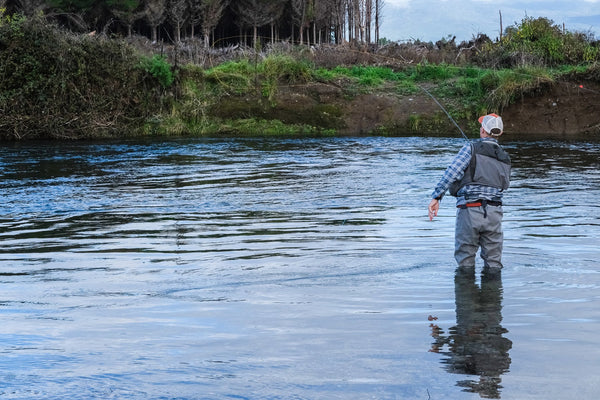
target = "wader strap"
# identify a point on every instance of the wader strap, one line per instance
(481, 203)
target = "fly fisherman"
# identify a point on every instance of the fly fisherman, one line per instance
(477, 177)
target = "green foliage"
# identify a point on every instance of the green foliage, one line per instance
(284, 68)
(407, 87)
(58, 85)
(12, 24)
(489, 81)
(368, 75)
(232, 75)
(261, 127)
(433, 72)
(324, 74)
(538, 41)
(513, 83)
(159, 68)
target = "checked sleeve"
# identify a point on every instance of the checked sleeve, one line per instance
(454, 172)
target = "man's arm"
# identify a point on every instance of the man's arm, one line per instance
(454, 172)
(434, 206)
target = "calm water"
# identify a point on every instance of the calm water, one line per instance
(290, 269)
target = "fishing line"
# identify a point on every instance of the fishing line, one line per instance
(444, 110)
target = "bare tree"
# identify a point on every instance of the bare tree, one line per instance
(178, 14)
(126, 12)
(323, 20)
(155, 13)
(359, 29)
(195, 14)
(276, 13)
(338, 19)
(211, 11)
(379, 4)
(299, 16)
(368, 17)
(311, 21)
(257, 13)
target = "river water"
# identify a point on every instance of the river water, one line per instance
(290, 269)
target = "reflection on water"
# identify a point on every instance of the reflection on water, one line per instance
(280, 269)
(476, 345)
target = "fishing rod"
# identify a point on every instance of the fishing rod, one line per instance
(444, 110)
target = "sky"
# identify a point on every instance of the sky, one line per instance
(432, 20)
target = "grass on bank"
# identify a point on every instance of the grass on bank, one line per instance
(55, 84)
(466, 91)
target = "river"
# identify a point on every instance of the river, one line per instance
(290, 269)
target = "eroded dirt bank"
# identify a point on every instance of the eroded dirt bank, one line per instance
(564, 109)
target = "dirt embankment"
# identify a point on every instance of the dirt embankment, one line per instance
(566, 108)
(562, 110)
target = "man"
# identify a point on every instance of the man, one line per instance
(477, 177)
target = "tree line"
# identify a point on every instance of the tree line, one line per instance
(217, 22)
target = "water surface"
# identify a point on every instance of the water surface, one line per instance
(290, 269)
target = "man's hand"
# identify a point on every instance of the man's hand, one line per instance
(434, 206)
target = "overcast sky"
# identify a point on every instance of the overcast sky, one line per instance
(432, 20)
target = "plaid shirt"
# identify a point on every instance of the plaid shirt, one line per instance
(456, 171)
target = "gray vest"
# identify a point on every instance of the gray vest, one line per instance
(489, 166)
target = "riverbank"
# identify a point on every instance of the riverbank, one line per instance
(560, 110)
(59, 85)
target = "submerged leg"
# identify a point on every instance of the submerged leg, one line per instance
(491, 239)
(466, 238)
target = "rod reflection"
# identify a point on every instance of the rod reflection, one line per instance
(476, 345)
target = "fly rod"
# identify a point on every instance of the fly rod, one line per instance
(444, 110)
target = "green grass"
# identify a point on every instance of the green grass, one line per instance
(466, 92)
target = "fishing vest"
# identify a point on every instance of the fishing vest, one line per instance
(489, 166)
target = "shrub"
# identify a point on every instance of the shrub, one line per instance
(284, 68)
(540, 42)
(159, 68)
(232, 75)
(54, 84)
(432, 72)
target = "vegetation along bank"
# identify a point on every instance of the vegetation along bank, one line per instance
(58, 84)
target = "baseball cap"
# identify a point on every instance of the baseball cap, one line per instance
(492, 124)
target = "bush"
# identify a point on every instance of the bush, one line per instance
(159, 68)
(232, 75)
(284, 68)
(539, 42)
(433, 72)
(54, 84)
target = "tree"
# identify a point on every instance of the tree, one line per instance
(75, 11)
(338, 19)
(155, 15)
(211, 11)
(299, 16)
(195, 7)
(126, 11)
(178, 14)
(378, 17)
(258, 13)
(322, 20)
(28, 7)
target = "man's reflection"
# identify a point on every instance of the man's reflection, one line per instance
(476, 345)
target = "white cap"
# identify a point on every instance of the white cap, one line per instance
(492, 124)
